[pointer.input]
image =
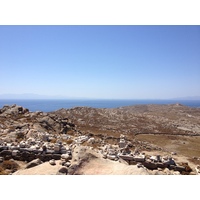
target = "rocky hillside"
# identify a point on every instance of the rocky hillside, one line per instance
(17, 123)
(165, 119)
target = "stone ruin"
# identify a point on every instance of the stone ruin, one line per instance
(123, 153)
(37, 147)
(81, 139)
(33, 148)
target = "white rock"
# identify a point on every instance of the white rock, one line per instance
(22, 144)
(65, 156)
(67, 164)
(111, 157)
(14, 152)
(91, 140)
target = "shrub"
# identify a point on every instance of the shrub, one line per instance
(20, 136)
(11, 165)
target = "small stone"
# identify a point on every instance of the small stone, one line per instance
(67, 164)
(65, 156)
(52, 162)
(1, 159)
(62, 171)
(105, 155)
(139, 165)
(176, 173)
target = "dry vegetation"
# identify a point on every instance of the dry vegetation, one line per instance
(8, 166)
(183, 145)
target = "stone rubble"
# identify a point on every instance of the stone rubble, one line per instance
(38, 151)
(140, 159)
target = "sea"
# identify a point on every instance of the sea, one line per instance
(53, 104)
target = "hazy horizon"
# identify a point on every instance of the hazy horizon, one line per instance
(101, 62)
(29, 96)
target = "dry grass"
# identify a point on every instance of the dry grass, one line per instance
(183, 145)
(70, 132)
(70, 141)
(20, 136)
(8, 164)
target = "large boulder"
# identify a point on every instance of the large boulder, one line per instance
(14, 109)
(46, 123)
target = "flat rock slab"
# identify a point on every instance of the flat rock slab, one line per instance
(42, 169)
(108, 167)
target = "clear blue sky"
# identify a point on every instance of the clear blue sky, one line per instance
(112, 62)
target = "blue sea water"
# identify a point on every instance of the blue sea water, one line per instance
(52, 105)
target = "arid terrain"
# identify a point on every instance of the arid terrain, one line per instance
(142, 139)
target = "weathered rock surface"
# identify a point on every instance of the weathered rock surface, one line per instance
(33, 163)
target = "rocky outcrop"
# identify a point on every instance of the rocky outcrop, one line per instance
(13, 110)
(26, 136)
(17, 123)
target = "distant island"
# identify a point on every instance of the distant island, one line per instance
(39, 96)
(31, 96)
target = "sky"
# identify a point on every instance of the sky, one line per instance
(101, 62)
